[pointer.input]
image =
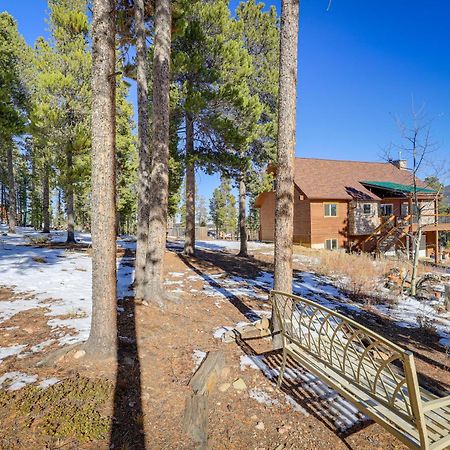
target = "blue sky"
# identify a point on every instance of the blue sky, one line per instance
(360, 63)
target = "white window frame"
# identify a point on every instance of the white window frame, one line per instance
(370, 208)
(329, 204)
(384, 205)
(332, 247)
(404, 209)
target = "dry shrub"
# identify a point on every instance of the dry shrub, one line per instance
(360, 272)
(426, 323)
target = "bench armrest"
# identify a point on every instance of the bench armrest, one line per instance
(437, 403)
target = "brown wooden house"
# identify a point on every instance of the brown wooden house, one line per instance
(356, 205)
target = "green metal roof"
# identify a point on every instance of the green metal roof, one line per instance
(406, 188)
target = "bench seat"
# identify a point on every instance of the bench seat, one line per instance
(372, 373)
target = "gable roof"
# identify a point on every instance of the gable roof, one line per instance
(342, 180)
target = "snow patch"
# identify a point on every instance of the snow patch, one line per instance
(47, 382)
(5, 352)
(198, 356)
(343, 413)
(17, 380)
(219, 332)
(262, 397)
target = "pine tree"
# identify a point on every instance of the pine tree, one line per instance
(159, 176)
(42, 124)
(210, 70)
(201, 211)
(284, 203)
(13, 99)
(126, 159)
(222, 208)
(102, 340)
(68, 81)
(217, 209)
(259, 32)
(143, 215)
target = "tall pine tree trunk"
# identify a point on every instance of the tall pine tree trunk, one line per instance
(284, 204)
(159, 178)
(189, 240)
(35, 209)
(103, 336)
(46, 200)
(58, 209)
(242, 218)
(70, 208)
(12, 199)
(144, 150)
(2, 203)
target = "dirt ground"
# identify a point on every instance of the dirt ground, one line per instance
(139, 402)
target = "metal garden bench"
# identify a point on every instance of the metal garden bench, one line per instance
(375, 375)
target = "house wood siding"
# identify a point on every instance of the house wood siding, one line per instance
(318, 182)
(397, 204)
(302, 218)
(323, 228)
(267, 217)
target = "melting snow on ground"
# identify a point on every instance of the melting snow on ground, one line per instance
(330, 404)
(59, 281)
(198, 356)
(406, 311)
(10, 351)
(262, 397)
(47, 382)
(16, 380)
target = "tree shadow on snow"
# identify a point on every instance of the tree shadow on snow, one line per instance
(232, 298)
(421, 342)
(307, 394)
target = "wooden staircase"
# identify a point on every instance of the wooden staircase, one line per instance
(385, 235)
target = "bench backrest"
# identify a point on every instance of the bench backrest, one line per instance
(379, 367)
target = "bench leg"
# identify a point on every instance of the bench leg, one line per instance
(282, 368)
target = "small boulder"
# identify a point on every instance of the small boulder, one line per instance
(79, 354)
(228, 336)
(262, 324)
(239, 384)
(224, 387)
(260, 426)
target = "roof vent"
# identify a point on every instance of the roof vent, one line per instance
(400, 164)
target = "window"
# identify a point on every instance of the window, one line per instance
(331, 244)
(405, 209)
(387, 210)
(367, 208)
(330, 209)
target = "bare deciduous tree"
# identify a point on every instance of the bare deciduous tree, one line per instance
(417, 149)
